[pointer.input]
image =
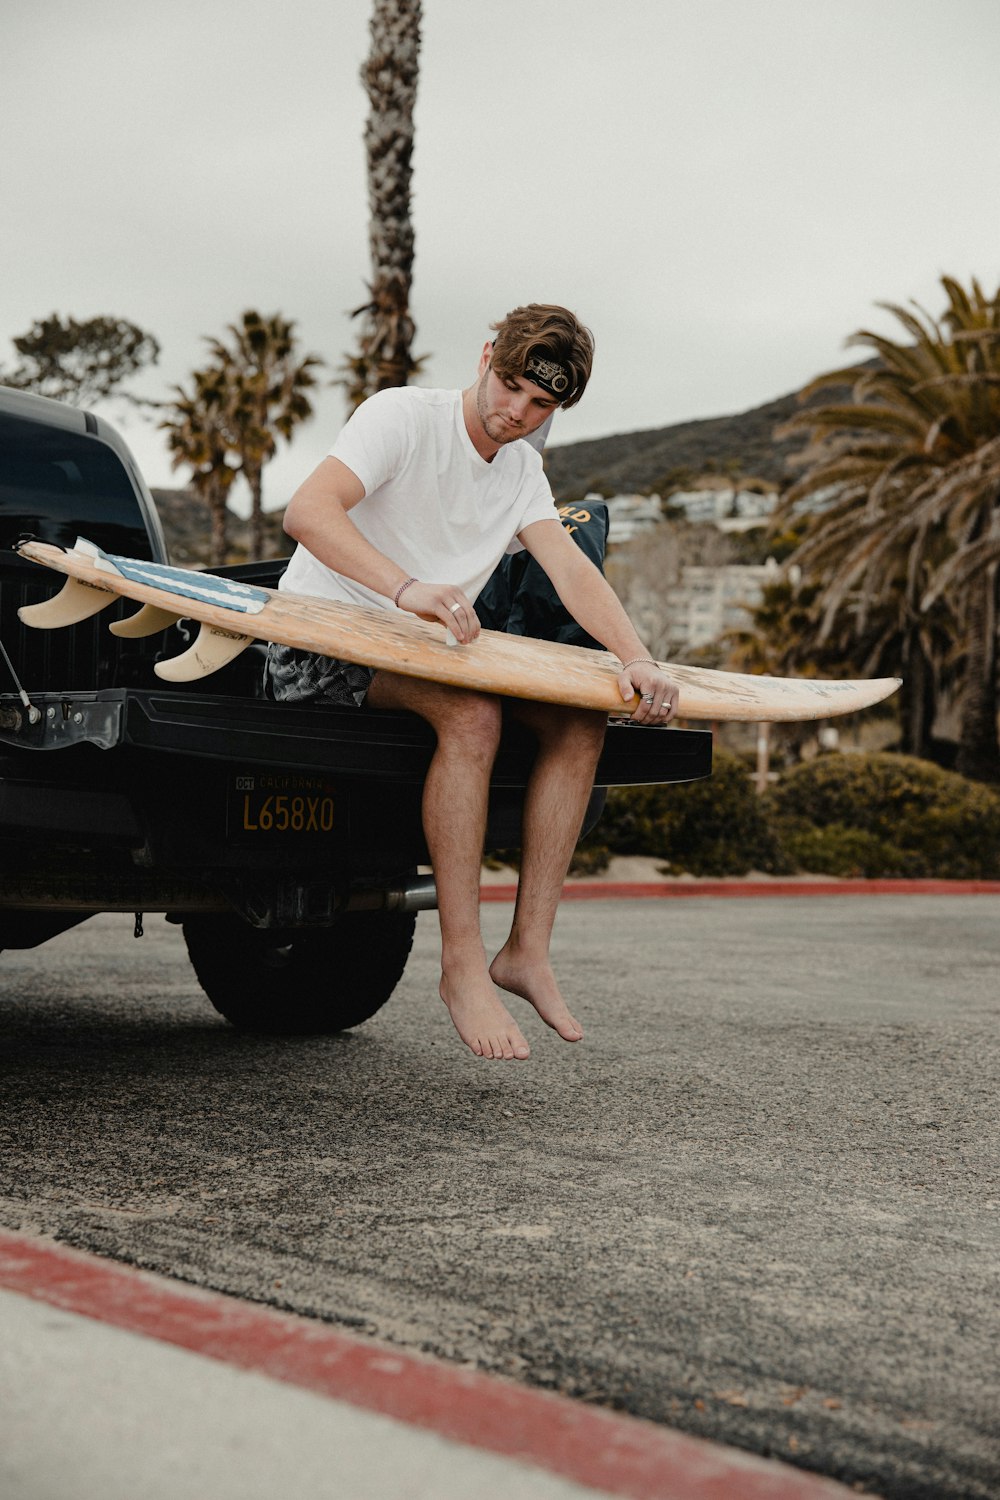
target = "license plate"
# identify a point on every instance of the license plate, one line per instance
(282, 805)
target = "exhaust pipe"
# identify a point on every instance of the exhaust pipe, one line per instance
(419, 894)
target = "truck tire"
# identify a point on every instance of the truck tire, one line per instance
(303, 982)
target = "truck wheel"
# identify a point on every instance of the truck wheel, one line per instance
(302, 982)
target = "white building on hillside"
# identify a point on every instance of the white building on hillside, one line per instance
(629, 515)
(706, 602)
(723, 505)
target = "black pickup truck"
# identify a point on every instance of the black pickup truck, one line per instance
(287, 842)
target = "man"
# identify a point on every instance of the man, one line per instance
(425, 485)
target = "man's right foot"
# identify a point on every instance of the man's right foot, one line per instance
(481, 1019)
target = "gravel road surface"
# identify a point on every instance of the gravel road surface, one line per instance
(759, 1202)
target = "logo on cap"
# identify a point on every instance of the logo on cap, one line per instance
(551, 376)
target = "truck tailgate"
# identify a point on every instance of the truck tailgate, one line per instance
(373, 743)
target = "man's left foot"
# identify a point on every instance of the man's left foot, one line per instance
(536, 983)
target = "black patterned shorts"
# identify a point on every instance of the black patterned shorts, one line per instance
(306, 678)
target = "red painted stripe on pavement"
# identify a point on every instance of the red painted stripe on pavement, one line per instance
(618, 1454)
(595, 890)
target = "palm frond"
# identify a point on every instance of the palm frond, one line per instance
(960, 568)
(870, 417)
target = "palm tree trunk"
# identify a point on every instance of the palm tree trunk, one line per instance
(917, 704)
(390, 78)
(255, 479)
(218, 510)
(979, 748)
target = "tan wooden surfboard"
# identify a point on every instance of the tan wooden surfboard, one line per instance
(233, 614)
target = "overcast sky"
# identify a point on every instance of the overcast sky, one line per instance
(721, 189)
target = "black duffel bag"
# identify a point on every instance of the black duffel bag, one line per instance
(518, 597)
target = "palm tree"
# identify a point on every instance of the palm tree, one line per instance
(389, 75)
(905, 476)
(267, 385)
(880, 630)
(200, 436)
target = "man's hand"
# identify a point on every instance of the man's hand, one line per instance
(444, 602)
(657, 694)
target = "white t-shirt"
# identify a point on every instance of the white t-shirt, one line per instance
(431, 502)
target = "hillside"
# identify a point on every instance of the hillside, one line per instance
(631, 462)
(186, 528)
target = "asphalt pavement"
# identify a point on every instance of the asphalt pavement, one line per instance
(757, 1204)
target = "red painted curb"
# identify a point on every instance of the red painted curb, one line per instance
(595, 890)
(617, 1454)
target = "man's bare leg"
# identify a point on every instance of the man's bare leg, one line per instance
(562, 778)
(454, 812)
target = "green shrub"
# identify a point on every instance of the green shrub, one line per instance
(848, 852)
(590, 858)
(711, 827)
(873, 816)
(886, 815)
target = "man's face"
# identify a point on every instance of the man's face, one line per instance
(510, 408)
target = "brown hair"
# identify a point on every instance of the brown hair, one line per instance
(549, 331)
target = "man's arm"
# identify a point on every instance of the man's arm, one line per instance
(592, 602)
(317, 516)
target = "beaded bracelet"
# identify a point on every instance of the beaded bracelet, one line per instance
(648, 660)
(402, 586)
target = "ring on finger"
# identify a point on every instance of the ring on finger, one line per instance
(647, 697)
(454, 608)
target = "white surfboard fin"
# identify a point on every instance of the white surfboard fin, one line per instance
(149, 620)
(214, 648)
(74, 602)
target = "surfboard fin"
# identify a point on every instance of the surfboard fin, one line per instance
(74, 602)
(149, 620)
(213, 648)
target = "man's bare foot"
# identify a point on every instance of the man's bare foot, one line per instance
(536, 983)
(480, 1017)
